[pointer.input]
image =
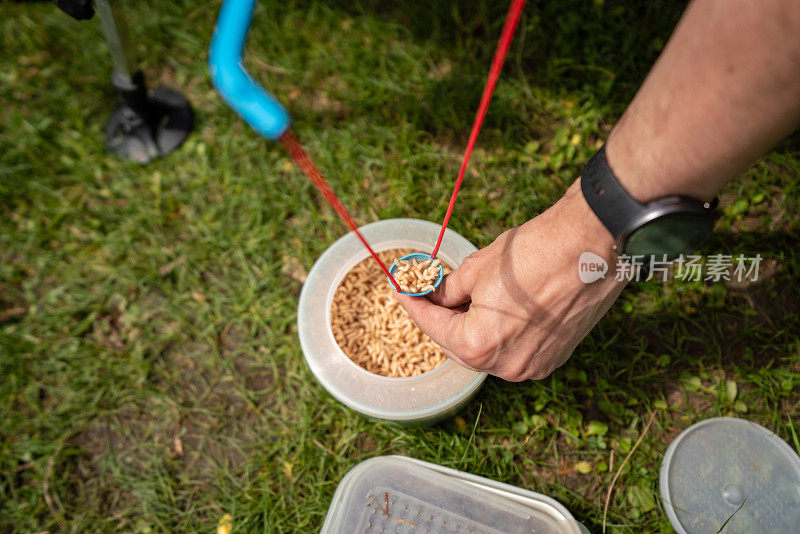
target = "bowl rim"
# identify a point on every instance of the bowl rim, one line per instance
(306, 338)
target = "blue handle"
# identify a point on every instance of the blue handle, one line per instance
(256, 106)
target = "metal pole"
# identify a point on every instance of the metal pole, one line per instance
(115, 28)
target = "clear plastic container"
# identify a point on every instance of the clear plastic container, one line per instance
(396, 494)
(729, 469)
(419, 399)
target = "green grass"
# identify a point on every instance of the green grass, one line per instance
(152, 379)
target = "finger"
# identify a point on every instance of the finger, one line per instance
(459, 361)
(454, 290)
(425, 312)
(443, 325)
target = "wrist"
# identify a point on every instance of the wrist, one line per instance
(586, 230)
(636, 170)
(588, 234)
(570, 229)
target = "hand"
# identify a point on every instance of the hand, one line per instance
(517, 308)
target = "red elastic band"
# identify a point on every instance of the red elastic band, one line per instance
(510, 26)
(301, 158)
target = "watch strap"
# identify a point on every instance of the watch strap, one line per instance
(606, 197)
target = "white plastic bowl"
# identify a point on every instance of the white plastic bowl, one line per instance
(418, 399)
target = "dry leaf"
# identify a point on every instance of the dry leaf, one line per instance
(461, 424)
(287, 469)
(294, 269)
(11, 313)
(177, 444)
(225, 525)
(168, 268)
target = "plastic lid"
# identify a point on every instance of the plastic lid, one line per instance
(416, 399)
(397, 494)
(725, 464)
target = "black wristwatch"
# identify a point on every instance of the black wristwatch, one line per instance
(669, 226)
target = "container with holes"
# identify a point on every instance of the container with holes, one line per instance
(418, 399)
(396, 494)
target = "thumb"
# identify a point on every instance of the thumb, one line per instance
(443, 325)
(455, 288)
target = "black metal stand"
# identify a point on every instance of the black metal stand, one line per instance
(150, 122)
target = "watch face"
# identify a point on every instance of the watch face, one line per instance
(672, 234)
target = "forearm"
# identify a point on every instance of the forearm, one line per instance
(724, 91)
